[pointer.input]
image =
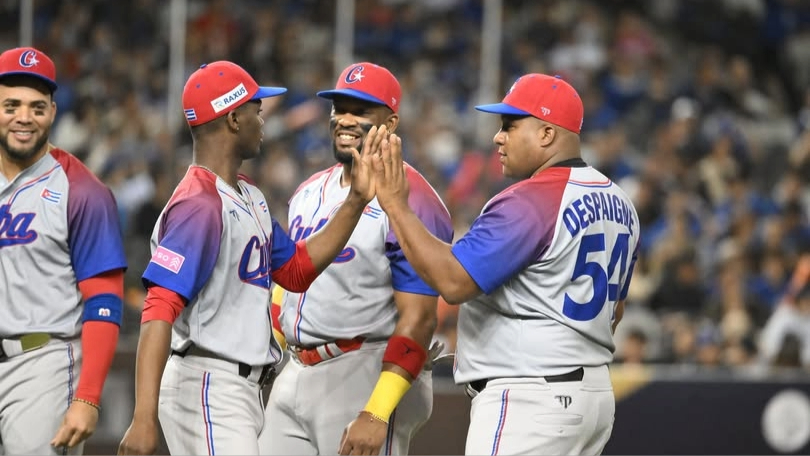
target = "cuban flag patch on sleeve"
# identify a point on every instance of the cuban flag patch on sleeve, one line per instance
(50, 195)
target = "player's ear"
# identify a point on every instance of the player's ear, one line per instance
(391, 122)
(232, 119)
(546, 134)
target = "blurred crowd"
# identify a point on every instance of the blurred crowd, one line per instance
(700, 110)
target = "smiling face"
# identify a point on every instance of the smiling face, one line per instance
(350, 121)
(27, 114)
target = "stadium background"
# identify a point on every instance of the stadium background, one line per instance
(699, 109)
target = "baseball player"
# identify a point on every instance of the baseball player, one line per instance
(358, 337)
(543, 273)
(61, 272)
(215, 253)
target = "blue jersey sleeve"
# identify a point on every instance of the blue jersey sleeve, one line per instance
(189, 240)
(514, 230)
(94, 231)
(283, 247)
(431, 211)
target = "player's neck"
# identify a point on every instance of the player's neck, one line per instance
(346, 176)
(11, 167)
(226, 171)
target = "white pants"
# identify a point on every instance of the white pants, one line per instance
(36, 389)
(207, 408)
(531, 416)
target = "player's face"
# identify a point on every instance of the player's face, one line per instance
(25, 121)
(250, 129)
(351, 121)
(517, 142)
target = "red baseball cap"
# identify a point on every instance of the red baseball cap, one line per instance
(546, 97)
(29, 62)
(368, 82)
(218, 88)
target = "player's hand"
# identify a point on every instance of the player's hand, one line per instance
(78, 424)
(363, 185)
(391, 182)
(433, 354)
(140, 438)
(364, 435)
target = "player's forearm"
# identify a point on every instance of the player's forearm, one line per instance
(325, 245)
(429, 256)
(153, 351)
(99, 339)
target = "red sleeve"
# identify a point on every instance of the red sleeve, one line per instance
(110, 282)
(162, 304)
(298, 272)
(99, 338)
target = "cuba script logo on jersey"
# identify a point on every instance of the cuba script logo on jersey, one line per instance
(167, 259)
(225, 101)
(259, 274)
(298, 231)
(15, 229)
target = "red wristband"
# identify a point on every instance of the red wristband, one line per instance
(405, 353)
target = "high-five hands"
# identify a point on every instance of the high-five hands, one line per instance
(391, 180)
(363, 179)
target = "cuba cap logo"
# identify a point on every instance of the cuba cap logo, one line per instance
(28, 59)
(355, 74)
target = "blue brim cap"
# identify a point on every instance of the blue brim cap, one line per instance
(266, 92)
(330, 94)
(502, 108)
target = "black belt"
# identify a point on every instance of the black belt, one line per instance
(573, 376)
(244, 369)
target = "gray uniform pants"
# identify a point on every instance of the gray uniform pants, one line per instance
(310, 406)
(36, 389)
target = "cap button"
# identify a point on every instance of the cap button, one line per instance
(203, 65)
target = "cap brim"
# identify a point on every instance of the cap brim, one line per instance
(331, 94)
(51, 84)
(266, 92)
(502, 108)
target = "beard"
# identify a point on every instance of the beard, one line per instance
(342, 156)
(24, 154)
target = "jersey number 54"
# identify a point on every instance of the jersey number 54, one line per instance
(603, 290)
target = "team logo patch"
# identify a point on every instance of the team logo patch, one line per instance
(224, 102)
(167, 259)
(191, 114)
(28, 59)
(50, 195)
(372, 212)
(354, 75)
(263, 205)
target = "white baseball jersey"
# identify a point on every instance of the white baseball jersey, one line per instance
(354, 295)
(553, 254)
(58, 225)
(217, 248)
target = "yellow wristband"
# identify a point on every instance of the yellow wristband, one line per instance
(282, 341)
(387, 394)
